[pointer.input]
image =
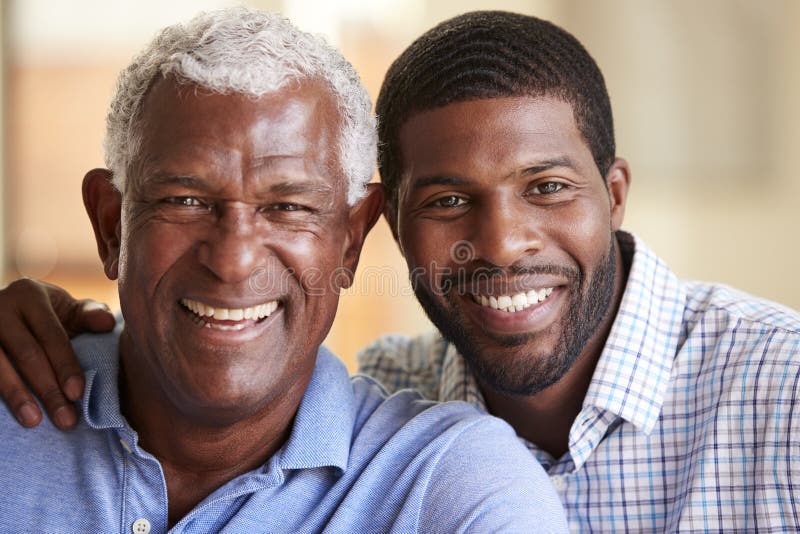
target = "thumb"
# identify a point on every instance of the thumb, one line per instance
(89, 316)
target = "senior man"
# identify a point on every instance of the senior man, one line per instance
(654, 404)
(239, 148)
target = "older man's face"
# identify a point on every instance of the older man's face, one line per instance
(231, 237)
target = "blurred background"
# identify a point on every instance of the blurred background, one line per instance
(704, 95)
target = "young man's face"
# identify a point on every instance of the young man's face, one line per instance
(507, 228)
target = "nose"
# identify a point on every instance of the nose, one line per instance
(506, 232)
(232, 248)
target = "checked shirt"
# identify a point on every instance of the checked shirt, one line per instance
(691, 422)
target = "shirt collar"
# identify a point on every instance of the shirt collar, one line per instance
(633, 372)
(322, 429)
(98, 355)
(457, 382)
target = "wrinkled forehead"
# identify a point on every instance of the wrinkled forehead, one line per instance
(184, 121)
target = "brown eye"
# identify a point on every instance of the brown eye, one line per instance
(547, 188)
(288, 206)
(450, 201)
(184, 201)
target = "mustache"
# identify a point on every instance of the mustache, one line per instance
(512, 279)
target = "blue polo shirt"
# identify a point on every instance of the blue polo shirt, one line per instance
(357, 460)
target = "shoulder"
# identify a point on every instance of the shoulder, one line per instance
(748, 346)
(400, 362)
(460, 469)
(734, 306)
(98, 350)
(744, 326)
(500, 485)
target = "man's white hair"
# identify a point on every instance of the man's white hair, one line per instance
(242, 51)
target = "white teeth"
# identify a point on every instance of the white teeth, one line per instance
(543, 293)
(514, 303)
(257, 312)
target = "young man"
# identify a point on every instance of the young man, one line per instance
(654, 404)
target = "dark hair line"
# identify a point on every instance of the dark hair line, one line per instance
(491, 54)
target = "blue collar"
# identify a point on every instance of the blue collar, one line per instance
(323, 427)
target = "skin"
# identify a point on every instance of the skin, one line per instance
(514, 179)
(512, 183)
(233, 202)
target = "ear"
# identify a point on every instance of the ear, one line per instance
(618, 181)
(104, 205)
(363, 216)
(390, 214)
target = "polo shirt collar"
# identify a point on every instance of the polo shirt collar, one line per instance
(98, 355)
(323, 426)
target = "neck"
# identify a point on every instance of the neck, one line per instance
(545, 418)
(199, 455)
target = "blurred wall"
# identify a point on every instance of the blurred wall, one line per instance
(3, 78)
(703, 94)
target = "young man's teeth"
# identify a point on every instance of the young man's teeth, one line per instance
(514, 303)
(230, 314)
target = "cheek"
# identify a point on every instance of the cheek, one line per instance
(315, 264)
(149, 252)
(586, 234)
(427, 243)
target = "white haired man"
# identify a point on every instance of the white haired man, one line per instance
(240, 147)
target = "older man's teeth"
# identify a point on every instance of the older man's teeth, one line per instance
(514, 303)
(230, 314)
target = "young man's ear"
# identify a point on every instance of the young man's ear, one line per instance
(618, 181)
(390, 214)
(104, 205)
(363, 216)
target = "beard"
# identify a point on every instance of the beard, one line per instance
(509, 364)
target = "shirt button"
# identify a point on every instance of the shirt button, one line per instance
(558, 482)
(141, 526)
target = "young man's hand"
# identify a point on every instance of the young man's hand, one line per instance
(36, 358)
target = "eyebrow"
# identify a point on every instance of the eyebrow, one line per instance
(439, 180)
(286, 187)
(448, 180)
(294, 187)
(189, 182)
(562, 161)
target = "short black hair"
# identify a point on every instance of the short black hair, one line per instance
(491, 54)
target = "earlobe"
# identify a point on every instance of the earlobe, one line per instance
(363, 216)
(618, 180)
(103, 204)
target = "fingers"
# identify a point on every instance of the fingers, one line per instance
(16, 395)
(55, 348)
(89, 316)
(36, 349)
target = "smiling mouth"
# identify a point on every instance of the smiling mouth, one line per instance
(513, 303)
(230, 319)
